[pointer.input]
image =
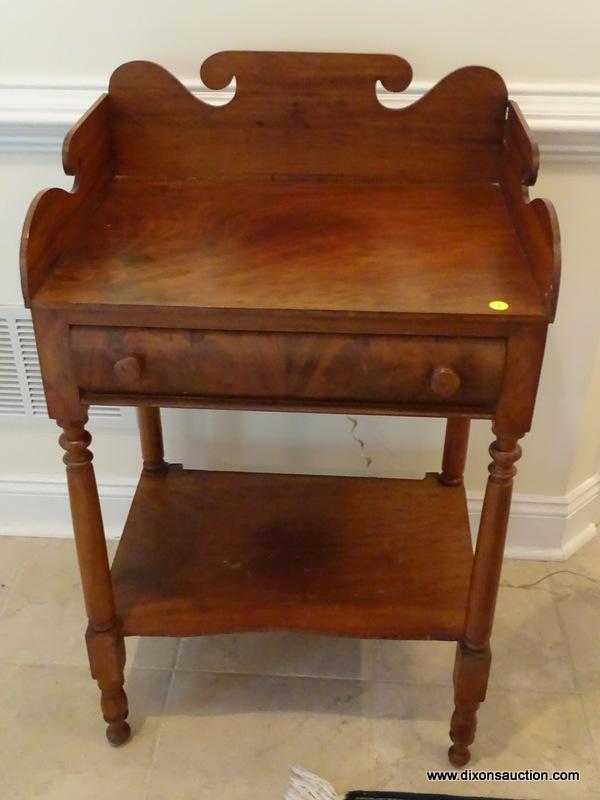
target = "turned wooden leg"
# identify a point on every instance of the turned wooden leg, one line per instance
(151, 438)
(471, 672)
(473, 654)
(106, 648)
(455, 450)
(106, 652)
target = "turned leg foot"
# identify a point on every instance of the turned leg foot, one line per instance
(118, 733)
(106, 650)
(471, 671)
(462, 732)
(115, 711)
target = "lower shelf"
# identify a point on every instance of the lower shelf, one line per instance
(217, 552)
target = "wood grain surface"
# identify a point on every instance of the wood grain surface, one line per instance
(208, 552)
(412, 249)
(307, 115)
(373, 369)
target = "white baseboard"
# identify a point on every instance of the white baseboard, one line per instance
(548, 527)
(544, 527)
(39, 507)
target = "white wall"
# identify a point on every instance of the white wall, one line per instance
(527, 40)
(538, 46)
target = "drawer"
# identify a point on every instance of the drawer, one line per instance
(288, 366)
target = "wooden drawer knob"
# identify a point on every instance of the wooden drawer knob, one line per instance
(129, 369)
(444, 381)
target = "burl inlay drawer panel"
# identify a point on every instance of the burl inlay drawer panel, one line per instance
(284, 366)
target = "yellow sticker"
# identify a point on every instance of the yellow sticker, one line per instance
(498, 305)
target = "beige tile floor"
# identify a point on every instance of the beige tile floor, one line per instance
(222, 717)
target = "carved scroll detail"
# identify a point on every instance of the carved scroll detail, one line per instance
(55, 215)
(535, 220)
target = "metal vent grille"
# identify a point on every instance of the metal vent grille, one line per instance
(11, 393)
(21, 390)
(31, 367)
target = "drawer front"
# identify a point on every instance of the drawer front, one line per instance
(284, 366)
